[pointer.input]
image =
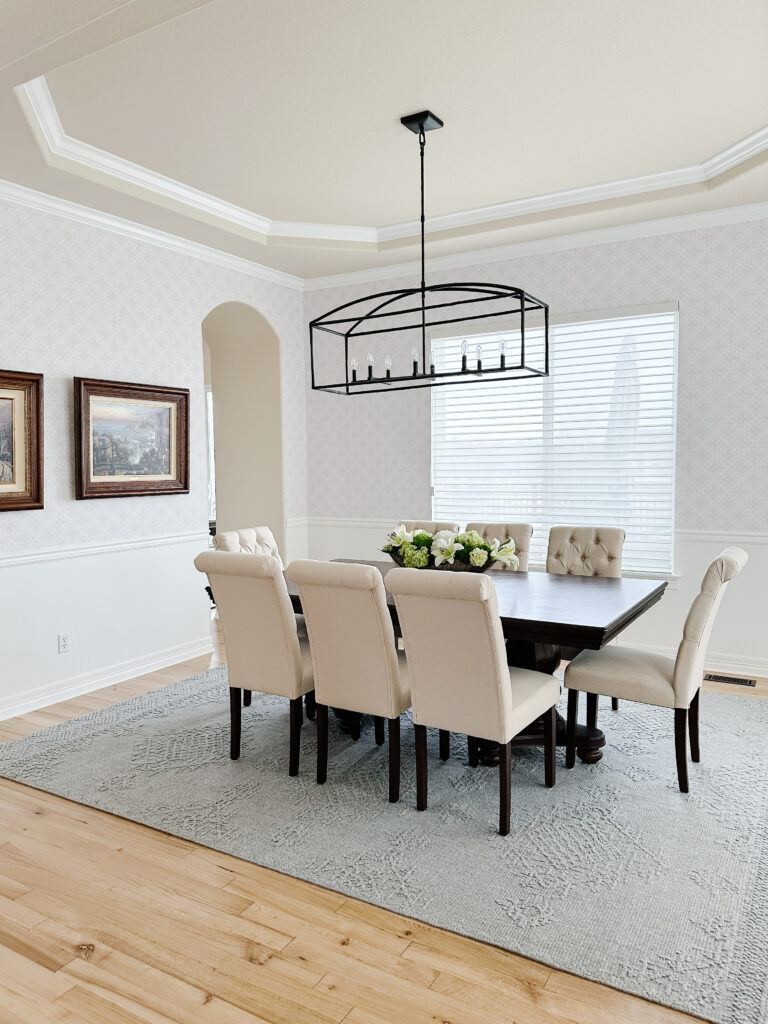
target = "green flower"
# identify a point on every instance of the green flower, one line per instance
(387, 548)
(414, 557)
(471, 539)
(478, 557)
(422, 539)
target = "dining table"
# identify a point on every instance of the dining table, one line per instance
(541, 613)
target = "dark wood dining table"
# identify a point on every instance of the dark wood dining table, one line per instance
(543, 612)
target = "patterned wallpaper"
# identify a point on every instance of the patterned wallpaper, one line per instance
(79, 300)
(369, 457)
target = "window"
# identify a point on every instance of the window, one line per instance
(592, 444)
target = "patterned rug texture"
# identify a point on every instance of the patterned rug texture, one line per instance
(613, 875)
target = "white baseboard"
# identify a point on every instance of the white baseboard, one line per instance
(75, 686)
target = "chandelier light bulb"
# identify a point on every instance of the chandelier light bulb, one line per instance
(432, 362)
(388, 365)
(355, 366)
(370, 365)
(479, 354)
(464, 356)
(503, 354)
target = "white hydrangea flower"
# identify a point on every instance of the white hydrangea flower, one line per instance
(478, 556)
(447, 535)
(445, 548)
(400, 536)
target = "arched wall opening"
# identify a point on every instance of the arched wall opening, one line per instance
(241, 355)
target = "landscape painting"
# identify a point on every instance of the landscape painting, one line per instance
(131, 439)
(7, 475)
(21, 440)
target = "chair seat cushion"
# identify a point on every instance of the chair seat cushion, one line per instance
(625, 673)
(533, 693)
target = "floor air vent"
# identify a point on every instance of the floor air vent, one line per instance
(710, 677)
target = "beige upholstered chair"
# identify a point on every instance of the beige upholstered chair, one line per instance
(585, 550)
(415, 524)
(519, 532)
(356, 663)
(257, 540)
(254, 540)
(263, 648)
(460, 680)
(652, 678)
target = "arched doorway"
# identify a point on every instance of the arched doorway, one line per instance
(242, 379)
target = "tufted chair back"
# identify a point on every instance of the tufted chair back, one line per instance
(258, 623)
(354, 655)
(585, 550)
(414, 524)
(689, 664)
(519, 532)
(254, 540)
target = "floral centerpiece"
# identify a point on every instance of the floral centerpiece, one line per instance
(463, 552)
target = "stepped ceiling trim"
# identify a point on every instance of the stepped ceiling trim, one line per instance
(80, 158)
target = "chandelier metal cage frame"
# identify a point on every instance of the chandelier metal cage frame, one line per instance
(416, 312)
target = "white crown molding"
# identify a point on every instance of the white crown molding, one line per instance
(62, 151)
(557, 243)
(86, 550)
(131, 229)
(68, 154)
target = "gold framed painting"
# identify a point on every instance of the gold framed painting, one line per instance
(21, 440)
(131, 439)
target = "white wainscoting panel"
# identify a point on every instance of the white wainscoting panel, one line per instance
(126, 608)
(739, 641)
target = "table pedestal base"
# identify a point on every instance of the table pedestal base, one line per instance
(521, 654)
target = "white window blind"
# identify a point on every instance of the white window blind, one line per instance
(592, 444)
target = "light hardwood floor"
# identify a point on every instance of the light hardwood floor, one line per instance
(108, 922)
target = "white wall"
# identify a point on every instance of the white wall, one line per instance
(245, 380)
(115, 574)
(369, 457)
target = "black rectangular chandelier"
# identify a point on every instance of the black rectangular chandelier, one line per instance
(394, 340)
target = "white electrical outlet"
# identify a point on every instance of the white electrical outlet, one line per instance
(63, 643)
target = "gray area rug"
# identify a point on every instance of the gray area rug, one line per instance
(613, 875)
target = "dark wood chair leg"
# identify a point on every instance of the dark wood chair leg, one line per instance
(234, 722)
(693, 727)
(296, 719)
(420, 736)
(505, 787)
(354, 727)
(615, 703)
(550, 747)
(445, 744)
(322, 742)
(592, 710)
(570, 729)
(309, 705)
(393, 728)
(473, 749)
(681, 724)
(378, 730)
(246, 698)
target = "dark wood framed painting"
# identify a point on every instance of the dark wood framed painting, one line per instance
(21, 440)
(130, 439)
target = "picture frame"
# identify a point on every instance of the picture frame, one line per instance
(21, 440)
(130, 439)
